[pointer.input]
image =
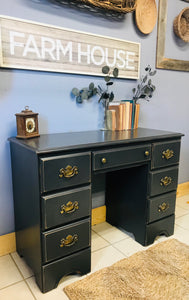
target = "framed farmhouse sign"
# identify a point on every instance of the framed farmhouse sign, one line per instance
(35, 46)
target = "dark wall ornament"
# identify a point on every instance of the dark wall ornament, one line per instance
(163, 62)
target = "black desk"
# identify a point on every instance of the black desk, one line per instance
(52, 179)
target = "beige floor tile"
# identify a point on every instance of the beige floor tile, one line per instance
(110, 233)
(97, 242)
(18, 291)
(181, 234)
(55, 294)
(183, 221)
(21, 264)
(183, 202)
(9, 273)
(161, 238)
(104, 258)
(179, 211)
(128, 246)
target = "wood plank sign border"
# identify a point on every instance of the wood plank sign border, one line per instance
(36, 46)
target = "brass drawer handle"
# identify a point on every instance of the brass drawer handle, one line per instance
(165, 181)
(163, 207)
(103, 160)
(69, 241)
(68, 172)
(69, 207)
(167, 154)
(147, 153)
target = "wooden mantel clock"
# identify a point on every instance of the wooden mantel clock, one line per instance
(27, 124)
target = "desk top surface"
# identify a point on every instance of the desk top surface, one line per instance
(92, 139)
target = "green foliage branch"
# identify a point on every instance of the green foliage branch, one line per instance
(106, 96)
(145, 88)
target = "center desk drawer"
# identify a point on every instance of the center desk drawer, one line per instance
(64, 171)
(120, 156)
(66, 240)
(65, 207)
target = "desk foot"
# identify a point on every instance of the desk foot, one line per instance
(162, 227)
(51, 274)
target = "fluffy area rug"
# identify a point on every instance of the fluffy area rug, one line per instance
(160, 272)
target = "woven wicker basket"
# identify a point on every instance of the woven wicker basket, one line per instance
(181, 25)
(122, 6)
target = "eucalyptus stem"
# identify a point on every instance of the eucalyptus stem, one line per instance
(145, 88)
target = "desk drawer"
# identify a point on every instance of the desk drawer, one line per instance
(64, 171)
(161, 206)
(66, 240)
(62, 208)
(121, 156)
(165, 154)
(163, 181)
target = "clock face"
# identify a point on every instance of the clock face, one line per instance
(30, 125)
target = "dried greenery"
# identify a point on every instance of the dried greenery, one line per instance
(106, 96)
(145, 88)
(85, 93)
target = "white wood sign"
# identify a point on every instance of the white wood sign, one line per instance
(35, 46)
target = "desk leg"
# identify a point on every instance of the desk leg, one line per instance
(76, 263)
(162, 227)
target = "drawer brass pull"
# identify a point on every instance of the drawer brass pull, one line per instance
(165, 181)
(167, 154)
(68, 172)
(163, 207)
(147, 153)
(69, 207)
(104, 160)
(69, 241)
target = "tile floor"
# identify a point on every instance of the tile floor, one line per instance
(108, 246)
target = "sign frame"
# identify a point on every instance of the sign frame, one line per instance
(17, 38)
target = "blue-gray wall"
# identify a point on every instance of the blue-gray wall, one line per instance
(49, 93)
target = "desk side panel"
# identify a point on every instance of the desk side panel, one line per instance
(27, 205)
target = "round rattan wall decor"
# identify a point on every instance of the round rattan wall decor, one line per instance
(146, 15)
(181, 25)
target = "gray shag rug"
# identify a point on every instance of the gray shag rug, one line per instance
(160, 272)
